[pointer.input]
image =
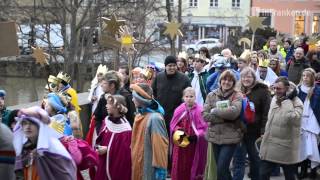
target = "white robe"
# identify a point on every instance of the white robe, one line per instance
(308, 139)
(95, 91)
(270, 78)
(195, 83)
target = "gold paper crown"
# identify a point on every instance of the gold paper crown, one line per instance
(64, 76)
(177, 138)
(200, 56)
(54, 80)
(148, 73)
(264, 63)
(183, 55)
(102, 69)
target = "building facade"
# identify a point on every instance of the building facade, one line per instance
(208, 18)
(214, 18)
(292, 17)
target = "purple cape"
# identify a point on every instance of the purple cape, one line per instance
(199, 161)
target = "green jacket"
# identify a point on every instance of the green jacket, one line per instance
(5, 116)
(280, 49)
(203, 79)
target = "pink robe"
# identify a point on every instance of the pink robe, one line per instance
(189, 162)
(116, 163)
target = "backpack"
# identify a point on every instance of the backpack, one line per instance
(248, 112)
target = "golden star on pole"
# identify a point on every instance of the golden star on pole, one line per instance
(255, 22)
(40, 56)
(113, 25)
(312, 42)
(172, 29)
(126, 39)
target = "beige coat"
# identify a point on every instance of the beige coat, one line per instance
(280, 143)
(225, 126)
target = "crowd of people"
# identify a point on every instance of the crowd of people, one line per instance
(201, 117)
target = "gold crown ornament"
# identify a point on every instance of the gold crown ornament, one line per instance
(246, 55)
(264, 63)
(64, 76)
(54, 80)
(102, 69)
(179, 140)
(201, 57)
(147, 73)
(183, 55)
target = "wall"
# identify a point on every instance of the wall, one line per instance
(284, 12)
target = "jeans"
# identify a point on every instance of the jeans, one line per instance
(239, 158)
(223, 154)
(266, 168)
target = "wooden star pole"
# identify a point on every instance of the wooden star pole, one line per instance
(255, 23)
(40, 56)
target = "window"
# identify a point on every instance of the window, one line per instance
(213, 3)
(267, 18)
(316, 24)
(299, 25)
(235, 3)
(193, 3)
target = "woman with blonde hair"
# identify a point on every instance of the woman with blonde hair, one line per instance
(257, 93)
(309, 93)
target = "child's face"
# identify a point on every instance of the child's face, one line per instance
(48, 108)
(241, 65)
(112, 109)
(30, 129)
(189, 98)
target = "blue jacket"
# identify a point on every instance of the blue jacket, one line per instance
(213, 79)
(314, 102)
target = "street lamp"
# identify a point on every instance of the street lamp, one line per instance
(190, 27)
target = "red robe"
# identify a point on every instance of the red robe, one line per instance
(116, 163)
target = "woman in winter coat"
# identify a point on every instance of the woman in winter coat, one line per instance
(258, 93)
(281, 139)
(222, 112)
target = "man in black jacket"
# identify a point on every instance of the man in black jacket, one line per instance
(168, 87)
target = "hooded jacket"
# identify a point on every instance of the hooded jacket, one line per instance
(281, 140)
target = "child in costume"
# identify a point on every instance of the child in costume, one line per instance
(83, 155)
(96, 89)
(113, 142)
(187, 128)
(149, 146)
(39, 152)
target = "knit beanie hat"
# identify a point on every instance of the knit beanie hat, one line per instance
(169, 60)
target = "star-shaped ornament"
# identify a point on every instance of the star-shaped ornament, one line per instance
(113, 25)
(126, 39)
(313, 42)
(172, 29)
(279, 38)
(255, 23)
(40, 56)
